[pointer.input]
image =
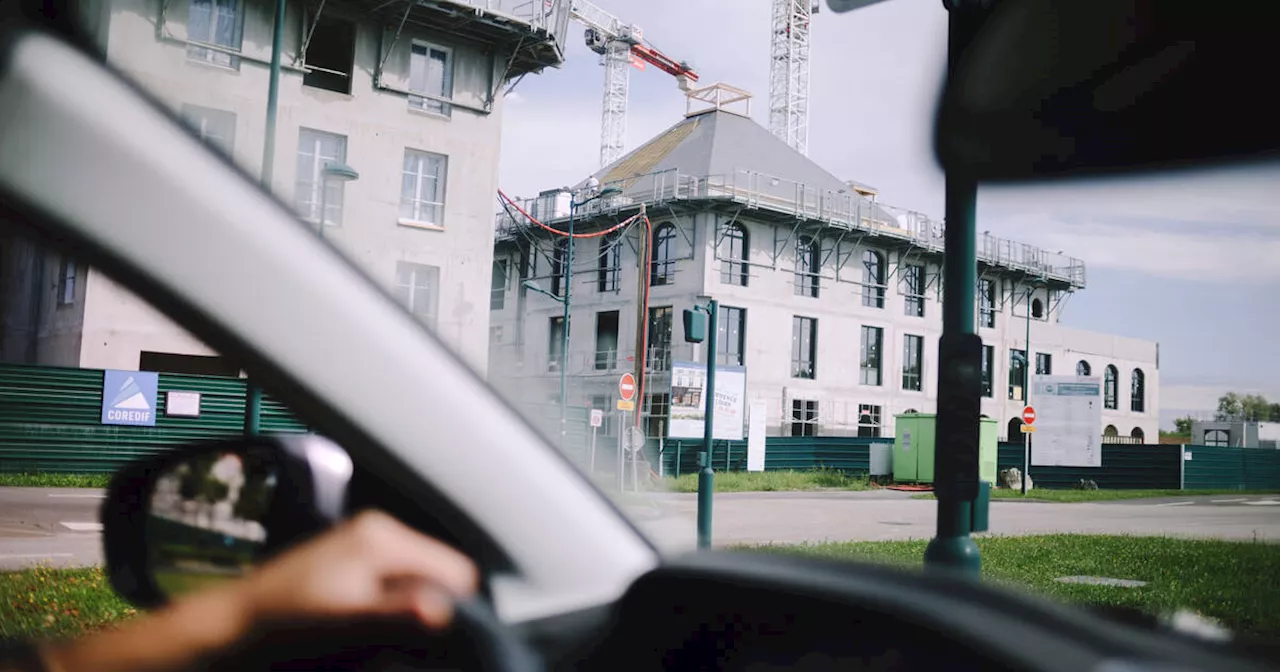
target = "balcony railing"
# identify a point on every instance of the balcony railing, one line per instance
(839, 209)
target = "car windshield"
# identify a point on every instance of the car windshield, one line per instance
(605, 206)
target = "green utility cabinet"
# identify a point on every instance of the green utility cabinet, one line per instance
(916, 439)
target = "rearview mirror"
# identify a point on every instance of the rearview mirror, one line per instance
(1051, 89)
(179, 521)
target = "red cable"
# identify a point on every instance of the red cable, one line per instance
(558, 232)
(644, 341)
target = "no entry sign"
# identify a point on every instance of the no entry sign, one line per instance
(1029, 415)
(627, 387)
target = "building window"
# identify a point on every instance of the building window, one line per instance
(1017, 374)
(912, 362)
(986, 303)
(734, 253)
(607, 340)
(656, 409)
(663, 268)
(609, 263)
(731, 341)
(1083, 368)
(913, 289)
(807, 265)
(216, 127)
(495, 335)
(872, 339)
(988, 369)
(872, 279)
(331, 54)
(1110, 430)
(804, 417)
(418, 288)
(1044, 364)
(1037, 309)
(431, 74)
(659, 357)
(1110, 388)
(422, 184)
(1138, 391)
(315, 150)
(219, 23)
(67, 282)
(1217, 437)
(559, 255)
(555, 343)
(804, 347)
(1138, 434)
(498, 285)
(868, 420)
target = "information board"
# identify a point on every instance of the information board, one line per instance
(1068, 417)
(688, 407)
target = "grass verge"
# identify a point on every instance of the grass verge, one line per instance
(54, 480)
(773, 481)
(1219, 579)
(46, 602)
(1041, 495)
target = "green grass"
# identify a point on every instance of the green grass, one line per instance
(1233, 582)
(773, 481)
(54, 480)
(1040, 495)
(45, 602)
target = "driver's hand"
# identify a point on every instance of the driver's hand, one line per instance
(370, 566)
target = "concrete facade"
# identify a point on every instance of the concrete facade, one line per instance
(417, 219)
(701, 262)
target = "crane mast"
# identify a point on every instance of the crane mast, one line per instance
(789, 72)
(620, 46)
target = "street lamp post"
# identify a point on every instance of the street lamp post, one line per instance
(337, 171)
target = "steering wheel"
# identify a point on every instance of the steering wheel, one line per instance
(498, 648)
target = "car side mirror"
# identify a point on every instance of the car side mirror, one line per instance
(181, 520)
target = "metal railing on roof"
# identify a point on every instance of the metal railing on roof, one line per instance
(838, 209)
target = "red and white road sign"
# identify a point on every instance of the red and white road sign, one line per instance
(1029, 415)
(627, 387)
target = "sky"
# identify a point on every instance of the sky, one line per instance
(1190, 260)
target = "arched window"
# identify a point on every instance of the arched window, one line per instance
(734, 252)
(1037, 309)
(1109, 385)
(1110, 431)
(807, 262)
(1138, 391)
(1015, 430)
(663, 268)
(559, 256)
(1083, 368)
(1138, 434)
(872, 279)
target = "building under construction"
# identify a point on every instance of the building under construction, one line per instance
(830, 299)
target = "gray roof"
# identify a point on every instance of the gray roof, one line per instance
(719, 143)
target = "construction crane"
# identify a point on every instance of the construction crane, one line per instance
(621, 46)
(789, 72)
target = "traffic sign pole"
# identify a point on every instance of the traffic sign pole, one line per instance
(1028, 424)
(707, 476)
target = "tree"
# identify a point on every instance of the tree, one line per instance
(1182, 426)
(1252, 407)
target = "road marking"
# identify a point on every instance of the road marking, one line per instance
(1265, 502)
(22, 556)
(1175, 504)
(82, 496)
(83, 527)
(1228, 501)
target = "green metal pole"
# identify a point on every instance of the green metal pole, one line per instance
(253, 393)
(707, 476)
(564, 344)
(1026, 398)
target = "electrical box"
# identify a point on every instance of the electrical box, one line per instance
(914, 445)
(695, 326)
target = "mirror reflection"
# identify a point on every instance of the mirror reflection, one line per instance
(206, 519)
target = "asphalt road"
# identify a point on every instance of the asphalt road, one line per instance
(59, 526)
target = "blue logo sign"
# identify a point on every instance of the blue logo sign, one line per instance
(129, 398)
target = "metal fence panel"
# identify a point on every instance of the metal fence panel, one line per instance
(849, 454)
(1261, 469)
(50, 419)
(1146, 466)
(1214, 468)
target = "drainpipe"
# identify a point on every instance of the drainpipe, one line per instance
(253, 393)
